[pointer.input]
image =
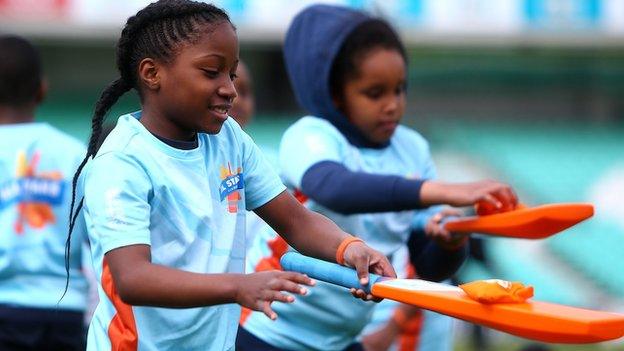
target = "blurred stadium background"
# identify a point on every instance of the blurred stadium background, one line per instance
(528, 91)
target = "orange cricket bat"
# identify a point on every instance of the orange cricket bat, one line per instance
(525, 222)
(546, 322)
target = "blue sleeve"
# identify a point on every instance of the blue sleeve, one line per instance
(431, 261)
(116, 204)
(262, 183)
(344, 191)
(306, 143)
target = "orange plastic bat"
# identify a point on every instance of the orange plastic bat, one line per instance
(535, 320)
(525, 222)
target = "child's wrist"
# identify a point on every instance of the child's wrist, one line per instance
(343, 247)
(237, 284)
(432, 193)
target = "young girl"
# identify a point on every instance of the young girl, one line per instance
(353, 162)
(165, 195)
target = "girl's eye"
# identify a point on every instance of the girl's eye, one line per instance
(233, 76)
(210, 73)
(400, 89)
(373, 94)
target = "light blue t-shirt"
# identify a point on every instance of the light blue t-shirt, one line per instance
(190, 207)
(329, 318)
(37, 164)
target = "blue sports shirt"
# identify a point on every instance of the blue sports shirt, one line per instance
(190, 207)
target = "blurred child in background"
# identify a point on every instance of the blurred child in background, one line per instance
(37, 162)
(352, 161)
(243, 109)
(165, 195)
(244, 105)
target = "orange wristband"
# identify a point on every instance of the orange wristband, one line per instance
(343, 246)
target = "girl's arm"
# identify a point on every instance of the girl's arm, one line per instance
(314, 235)
(140, 282)
(336, 187)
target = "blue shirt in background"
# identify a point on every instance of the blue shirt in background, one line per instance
(37, 164)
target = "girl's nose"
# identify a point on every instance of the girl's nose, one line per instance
(392, 105)
(227, 89)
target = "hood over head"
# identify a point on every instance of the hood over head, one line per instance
(312, 43)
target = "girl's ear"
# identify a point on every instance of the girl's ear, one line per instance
(149, 74)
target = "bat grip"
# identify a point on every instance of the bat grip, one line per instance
(326, 271)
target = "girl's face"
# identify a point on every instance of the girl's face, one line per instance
(374, 101)
(196, 90)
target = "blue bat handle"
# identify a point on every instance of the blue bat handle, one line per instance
(326, 271)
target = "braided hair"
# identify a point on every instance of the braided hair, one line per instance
(157, 31)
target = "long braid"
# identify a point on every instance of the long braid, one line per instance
(156, 31)
(109, 96)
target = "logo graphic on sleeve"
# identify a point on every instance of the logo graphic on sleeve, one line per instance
(231, 183)
(35, 193)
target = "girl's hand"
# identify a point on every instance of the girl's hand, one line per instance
(364, 259)
(499, 195)
(434, 229)
(258, 290)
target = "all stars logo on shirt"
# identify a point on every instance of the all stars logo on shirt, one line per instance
(34, 192)
(231, 183)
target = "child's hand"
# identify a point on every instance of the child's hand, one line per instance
(434, 229)
(364, 259)
(258, 290)
(499, 195)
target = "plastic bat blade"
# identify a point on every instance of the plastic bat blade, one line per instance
(529, 222)
(535, 320)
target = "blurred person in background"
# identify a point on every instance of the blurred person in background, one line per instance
(37, 162)
(243, 109)
(244, 105)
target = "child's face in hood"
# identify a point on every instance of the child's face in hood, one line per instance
(374, 101)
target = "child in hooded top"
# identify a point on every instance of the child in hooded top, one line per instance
(352, 161)
(36, 165)
(163, 200)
